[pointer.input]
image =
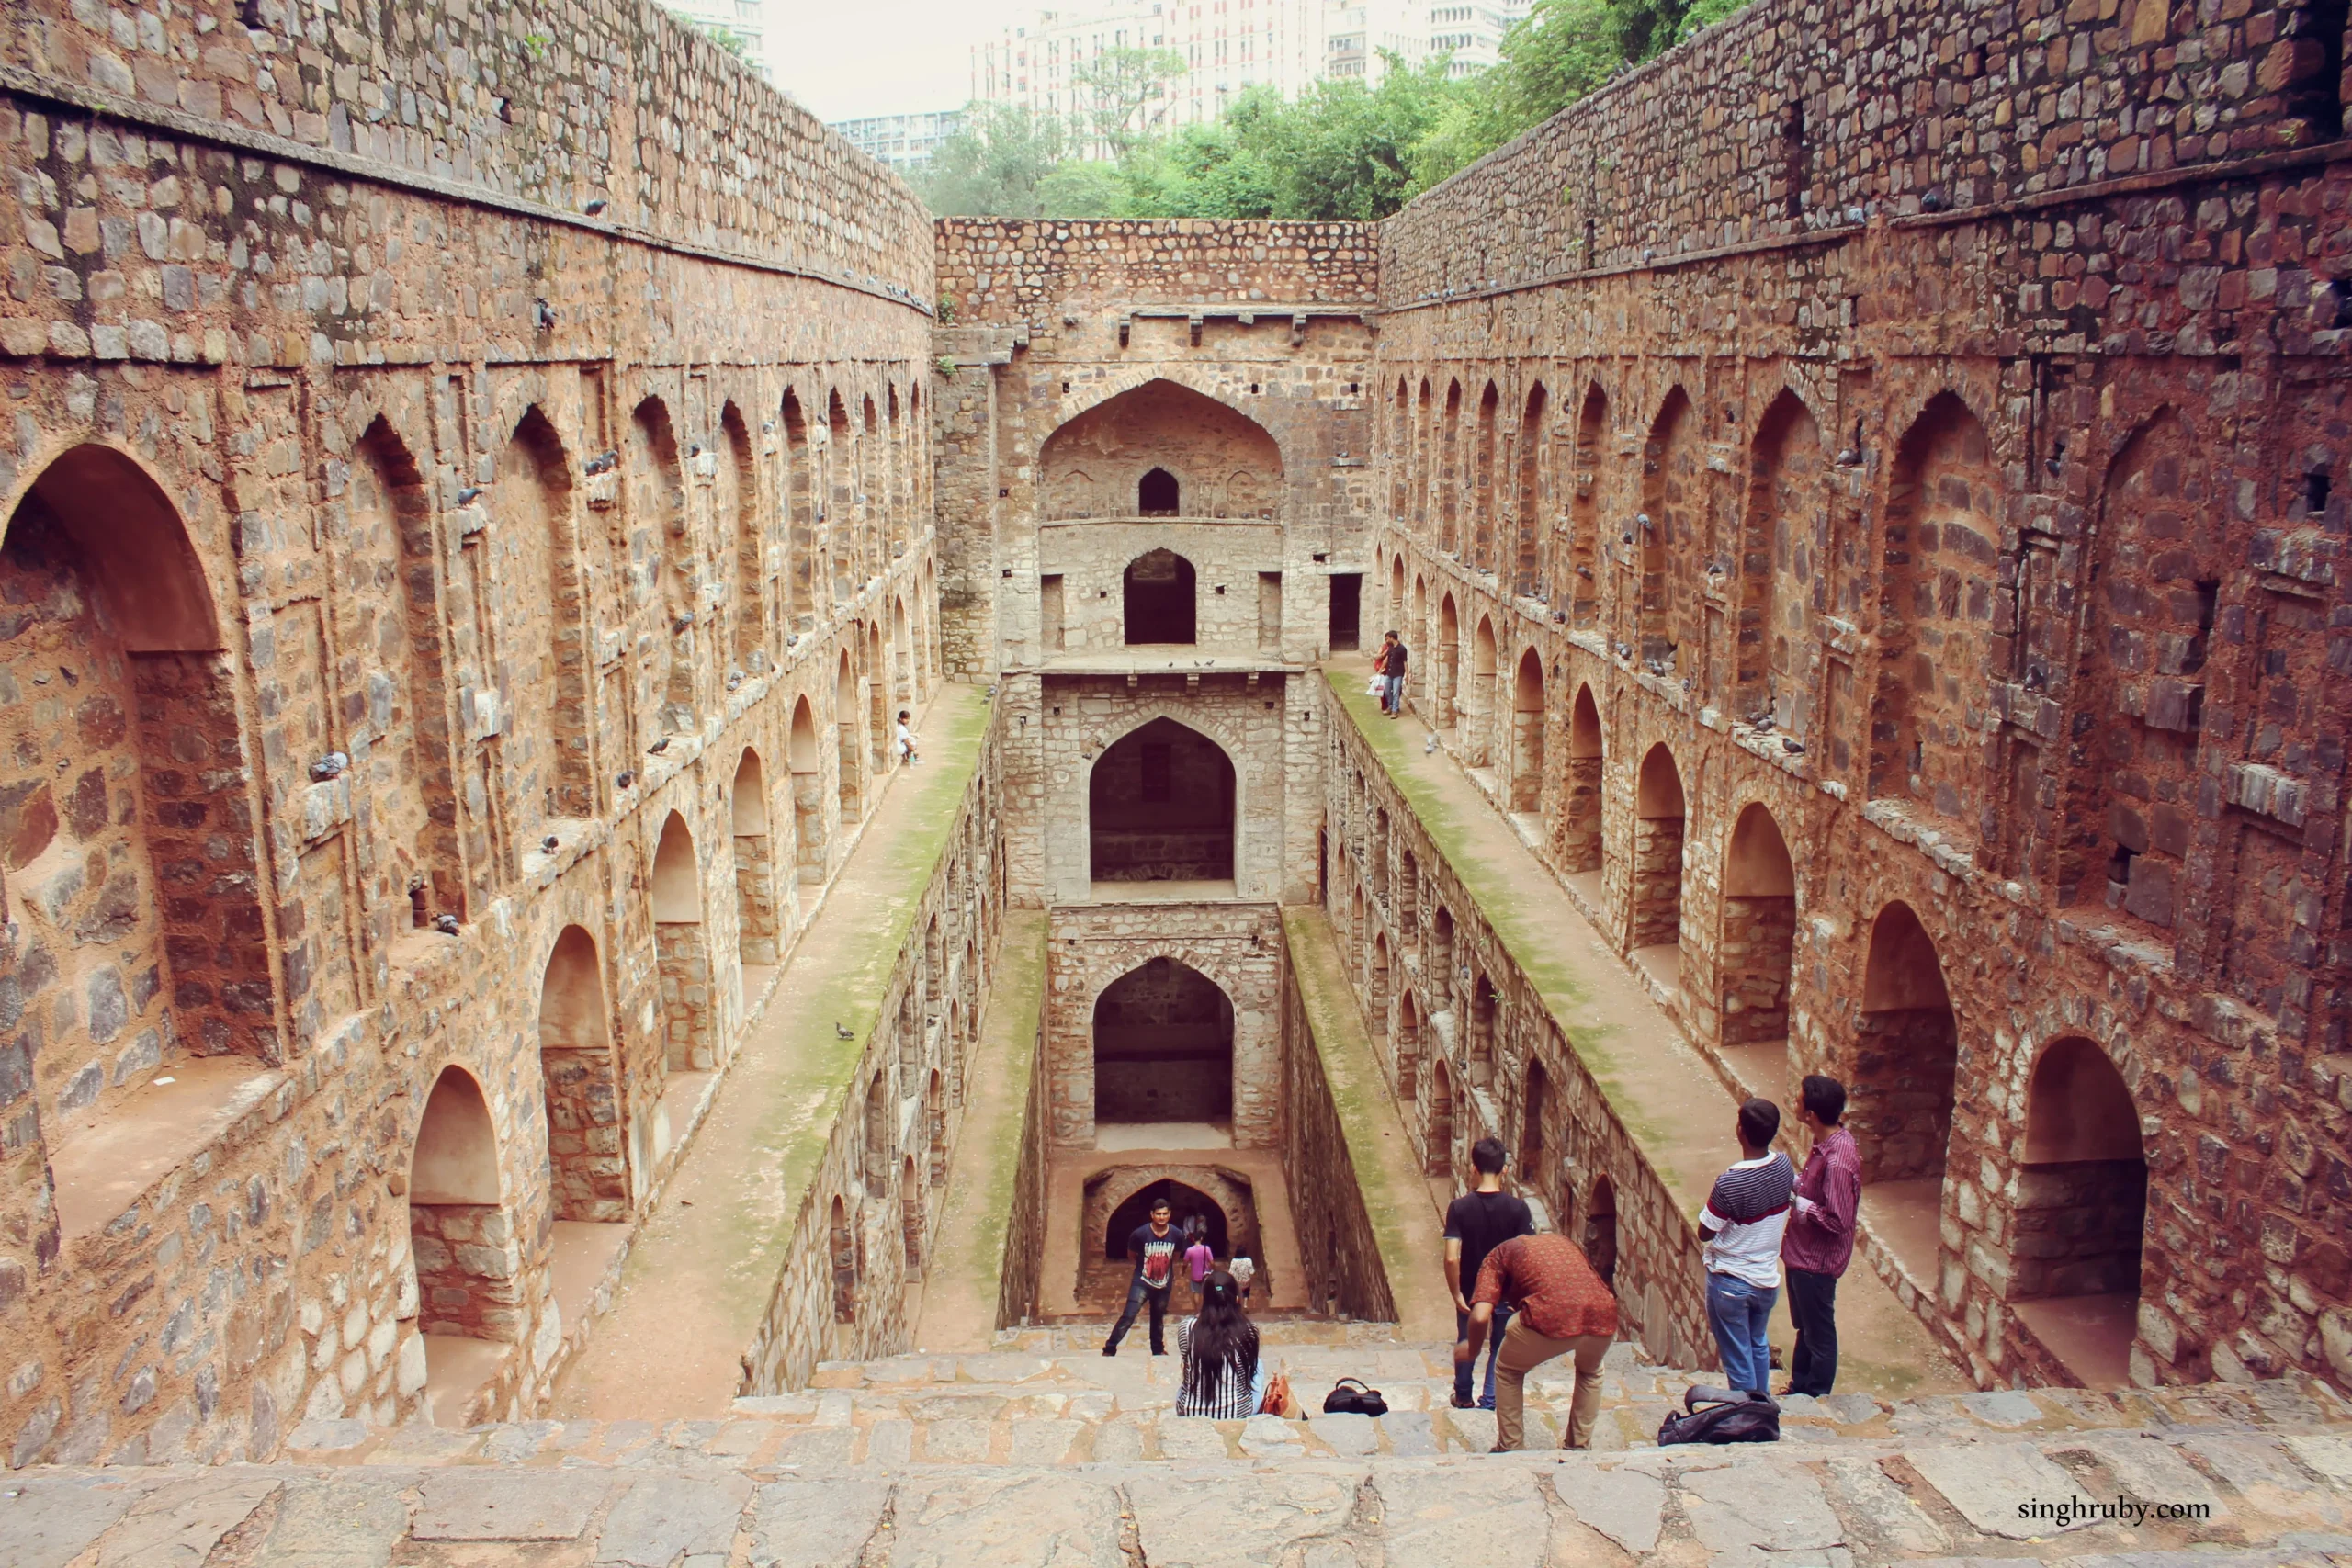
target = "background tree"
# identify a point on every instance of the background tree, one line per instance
(992, 164)
(1124, 86)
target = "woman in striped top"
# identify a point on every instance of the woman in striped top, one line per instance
(1225, 1379)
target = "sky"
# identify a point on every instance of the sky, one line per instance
(845, 58)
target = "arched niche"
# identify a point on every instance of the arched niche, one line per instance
(1214, 460)
(1579, 591)
(1160, 600)
(846, 727)
(455, 1156)
(1437, 1137)
(1449, 662)
(1906, 1062)
(464, 1250)
(1580, 840)
(1673, 470)
(1187, 1202)
(1161, 807)
(2081, 1220)
(1777, 561)
(1527, 735)
(124, 799)
(1163, 1047)
(579, 1085)
(682, 951)
(759, 914)
(1657, 851)
(808, 793)
(1477, 740)
(1758, 941)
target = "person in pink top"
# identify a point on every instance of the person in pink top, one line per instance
(1199, 1260)
(1820, 1238)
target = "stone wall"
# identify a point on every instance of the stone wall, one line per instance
(1344, 1271)
(859, 1237)
(1233, 355)
(1914, 420)
(446, 540)
(1393, 890)
(1238, 946)
(1023, 1280)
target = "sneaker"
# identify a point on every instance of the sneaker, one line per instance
(1461, 1403)
(1486, 1404)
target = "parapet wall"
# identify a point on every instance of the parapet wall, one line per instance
(1796, 120)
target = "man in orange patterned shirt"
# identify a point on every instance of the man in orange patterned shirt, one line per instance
(1561, 1309)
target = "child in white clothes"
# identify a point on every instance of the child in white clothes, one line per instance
(906, 739)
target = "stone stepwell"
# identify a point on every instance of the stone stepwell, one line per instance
(1044, 1454)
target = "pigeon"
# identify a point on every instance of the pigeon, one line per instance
(659, 746)
(627, 777)
(734, 680)
(468, 495)
(1792, 745)
(1761, 724)
(1934, 200)
(446, 924)
(330, 766)
(550, 843)
(841, 1032)
(1429, 746)
(595, 207)
(682, 623)
(1849, 458)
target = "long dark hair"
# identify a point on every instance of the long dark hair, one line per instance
(1223, 1338)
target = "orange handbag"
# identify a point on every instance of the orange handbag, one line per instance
(1277, 1400)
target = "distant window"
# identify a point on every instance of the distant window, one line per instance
(1156, 494)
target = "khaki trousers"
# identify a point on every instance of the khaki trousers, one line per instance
(1524, 1351)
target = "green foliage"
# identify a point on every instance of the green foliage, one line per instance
(990, 167)
(728, 39)
(1342, 150)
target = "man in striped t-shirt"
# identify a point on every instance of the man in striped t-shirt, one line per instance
(1742, 1223)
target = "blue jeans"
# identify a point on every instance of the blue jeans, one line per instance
(1392, 693)
(1739, 1313)
(1139, 1294)
(1494, 1347)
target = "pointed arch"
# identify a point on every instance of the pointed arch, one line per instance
(1579, 844)
(2076, 1257)
(1478, 728)
(801, 515)
(1449, 473)
(1163, 1046)
(1657, 851)
(735, 505)
(578, 1086)
(1162, 597)
(847, 723)
(662, 547)
(1579, 591)
(1672, 472)
(759, 919)
(1160, 807)
(1486, 497)
(1527, 511)
(1756, 949)
(1526, 721)
(682, 951)
(1775, 565)
(1907, 1064)
(1160, 449)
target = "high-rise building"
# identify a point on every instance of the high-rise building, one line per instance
(1228, 47)
(1359, 36)
(1472, 33)
(745, 20)
(905, 141)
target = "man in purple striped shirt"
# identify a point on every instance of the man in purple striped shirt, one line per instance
(1820, 1240)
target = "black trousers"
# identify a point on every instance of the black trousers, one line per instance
(1139, 1293)
(1813, 1306)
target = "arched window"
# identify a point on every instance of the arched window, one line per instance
(1163, 1047)
(1156, 494)
(1161, 807)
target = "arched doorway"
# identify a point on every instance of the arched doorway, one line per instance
(682, 951)
(847, 723)
(1906, 1060)
(464, 1247)
(1533, 1107)
(1161, 599)
(878, 717)
(1757, 953)
(843, 1244)
(1409, 1047)
(1379, 1008)
(902, 655)
(580, 1095)
(1161, 807)
(1163, 1047)
(1658, 863)
(1484, 1007)
(2082, 1206)
(1527, 736)
(759, 923)
(808, 794)
(1580, 806)
(1186, 1202)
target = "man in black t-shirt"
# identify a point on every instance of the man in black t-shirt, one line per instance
(1476, 1223)
(1391, 665)
(1154, 1248)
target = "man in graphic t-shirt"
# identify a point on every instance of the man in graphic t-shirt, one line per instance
(1742, 1226)
(1476, 1223)
(1154, 1248)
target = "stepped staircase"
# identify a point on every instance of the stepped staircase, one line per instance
(1043, 1454)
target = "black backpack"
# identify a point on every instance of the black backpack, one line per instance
(1356, 1400)
(1722, 1415)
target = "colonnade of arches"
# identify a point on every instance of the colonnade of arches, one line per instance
(1845, 592)
(2076, 1232)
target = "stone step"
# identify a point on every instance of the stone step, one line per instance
(2270, 1485)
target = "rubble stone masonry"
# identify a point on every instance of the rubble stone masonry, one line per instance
(468, 462)
(1915, 435)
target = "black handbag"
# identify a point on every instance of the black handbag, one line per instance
(1349, 1397)
(1722, 1415)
